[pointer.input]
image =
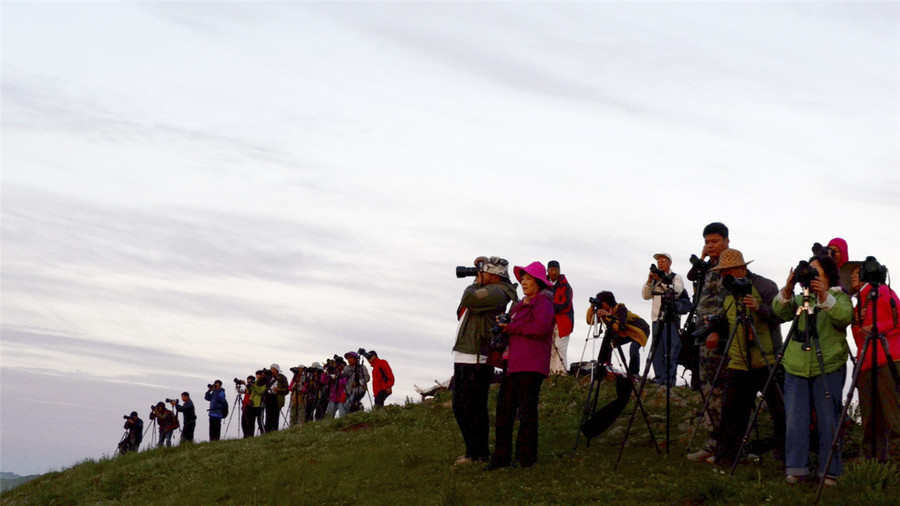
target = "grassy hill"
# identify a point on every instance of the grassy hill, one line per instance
(403, 455)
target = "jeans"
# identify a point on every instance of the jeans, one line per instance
(666, 334)
(800, 394)
(339, 407)
(165, 438)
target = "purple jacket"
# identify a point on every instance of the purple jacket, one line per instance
(531, 335)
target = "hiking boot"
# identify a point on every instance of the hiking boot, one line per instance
(699, 456)
(462, 460)
(793, 480)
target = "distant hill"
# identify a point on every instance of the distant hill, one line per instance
(12, 480)
(403, 455)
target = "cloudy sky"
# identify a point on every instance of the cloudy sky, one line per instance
(192, 191)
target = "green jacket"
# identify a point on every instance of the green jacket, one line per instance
(832, 318)
(766, 327)
(256, 392)
(478, 309)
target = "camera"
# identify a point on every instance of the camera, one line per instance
(872, 272)
(666, 278)
(296, 370)
(698, 264)
(126, 417)
(364, 353)
(712, 322)
(594, 301)
(463, 271)
(238, 381)
(805, 273)
(739, 287)
(209, 386)
(500, 339)
(170, 401)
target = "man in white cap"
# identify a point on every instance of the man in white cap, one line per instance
(658, 284)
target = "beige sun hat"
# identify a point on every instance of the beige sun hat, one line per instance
(730, 258)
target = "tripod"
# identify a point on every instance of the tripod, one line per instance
(600, 421)
(872, 340)
(667, 324)
(234, 407)
(593, 333)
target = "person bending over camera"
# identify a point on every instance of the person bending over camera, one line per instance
(218, 406)
(625, 327)
(751, 354)
(166, 421)
(481, 302)
(530, 331)
(188, 413)
(805, 382)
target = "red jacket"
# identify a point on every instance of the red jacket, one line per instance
(887, 325)
(562, 305)
(382, 376)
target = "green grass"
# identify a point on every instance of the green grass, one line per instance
(402, 455)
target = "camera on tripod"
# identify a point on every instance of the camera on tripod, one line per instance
(463, 271)
(698, 264)
(872, 272)
(362, 352)
(805, 273)
(666, 278)
(738, 287)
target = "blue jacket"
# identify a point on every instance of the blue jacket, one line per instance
(217, 402)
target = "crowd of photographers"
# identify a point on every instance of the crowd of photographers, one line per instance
(315, 392)
(731, 343)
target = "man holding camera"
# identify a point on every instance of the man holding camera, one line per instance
(383, 377)
(709, 295)
(757, 336)
(662, 282)
(565, 318)
(481, 303)
(218, 406)
(357, 382)
(298, 402)
(135, 427)
(190, 416)
(277, 390)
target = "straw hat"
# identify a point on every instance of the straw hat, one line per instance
(730, 258)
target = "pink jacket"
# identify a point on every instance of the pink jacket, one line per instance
(886, 324)
(531, 335)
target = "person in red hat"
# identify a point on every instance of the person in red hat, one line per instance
(530, 331)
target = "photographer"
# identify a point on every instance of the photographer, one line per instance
(383, 377)
(530, 331)
(253, 390)
(709, 295)
(277, 390)
(190, 416)
(805, 382)
(218, 407)
(750, 355)
(357, 382)
(624, 325)
(167, 422)
(481, 302)
(312, 391)
(659, 283)
(565, 317)
(135, 427)
(335, 383)
(298, 401)
(879, 404)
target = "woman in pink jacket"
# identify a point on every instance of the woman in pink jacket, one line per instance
(530, 331)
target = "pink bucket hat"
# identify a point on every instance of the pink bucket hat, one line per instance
(535, 270)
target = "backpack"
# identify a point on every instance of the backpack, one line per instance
(224, 410)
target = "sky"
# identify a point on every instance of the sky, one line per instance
(195, 190)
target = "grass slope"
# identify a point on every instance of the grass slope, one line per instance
(403, 455)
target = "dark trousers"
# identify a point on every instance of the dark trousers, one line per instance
(380, 397)
(248, 420)
(187, 433)
(215, 428)
(519, 393)
(272, 415)
(738, 403)
(470, 398)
